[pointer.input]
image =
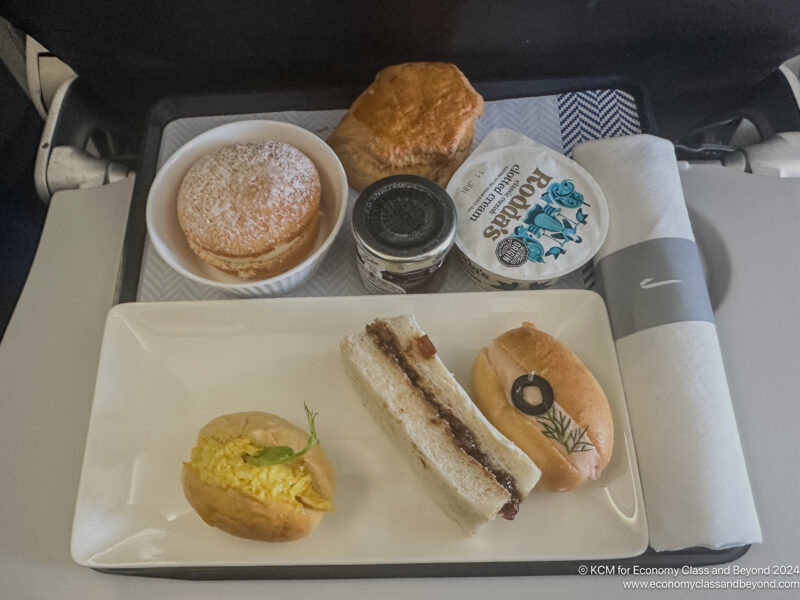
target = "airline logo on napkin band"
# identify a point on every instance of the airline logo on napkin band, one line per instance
(648, 284)
(653, 283)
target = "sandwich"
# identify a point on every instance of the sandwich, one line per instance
(542, 397)
(470, 469)
(257, 476)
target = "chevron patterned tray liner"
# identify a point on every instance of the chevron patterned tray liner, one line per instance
(559, 121)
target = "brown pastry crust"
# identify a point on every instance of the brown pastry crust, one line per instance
(575, 389)
(243, 200)
(415, 118)
(243, 515)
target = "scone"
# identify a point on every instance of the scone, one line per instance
(415, 118)
(251, 209)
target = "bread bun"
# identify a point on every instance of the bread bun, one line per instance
(576, 395)
(414, 119)
(242, 499)
(251, 209)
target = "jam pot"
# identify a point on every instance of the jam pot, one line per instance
(403, 227)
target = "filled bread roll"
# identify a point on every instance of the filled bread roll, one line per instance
(276, 502)
(542, 397)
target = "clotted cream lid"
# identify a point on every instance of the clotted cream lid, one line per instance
(526, 212)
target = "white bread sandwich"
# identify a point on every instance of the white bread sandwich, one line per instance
(471, 470)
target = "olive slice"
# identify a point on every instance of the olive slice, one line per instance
(531, 380)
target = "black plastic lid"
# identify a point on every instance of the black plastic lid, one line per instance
(405, 218)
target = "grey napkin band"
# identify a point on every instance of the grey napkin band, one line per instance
(653, 283)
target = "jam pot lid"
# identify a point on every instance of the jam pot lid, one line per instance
(405, 219)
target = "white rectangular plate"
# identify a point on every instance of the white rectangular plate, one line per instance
(167, 369)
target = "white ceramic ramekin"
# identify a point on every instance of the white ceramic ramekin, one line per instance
(162, 216)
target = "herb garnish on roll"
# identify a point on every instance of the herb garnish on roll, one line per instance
(255, 475)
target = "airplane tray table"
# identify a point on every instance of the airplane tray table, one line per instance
(557, 113)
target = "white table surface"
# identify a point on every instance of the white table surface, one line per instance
(48, 360)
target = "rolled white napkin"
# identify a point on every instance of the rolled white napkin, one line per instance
(694, 479)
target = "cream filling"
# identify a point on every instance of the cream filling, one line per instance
(508, 370)
(270, 254)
